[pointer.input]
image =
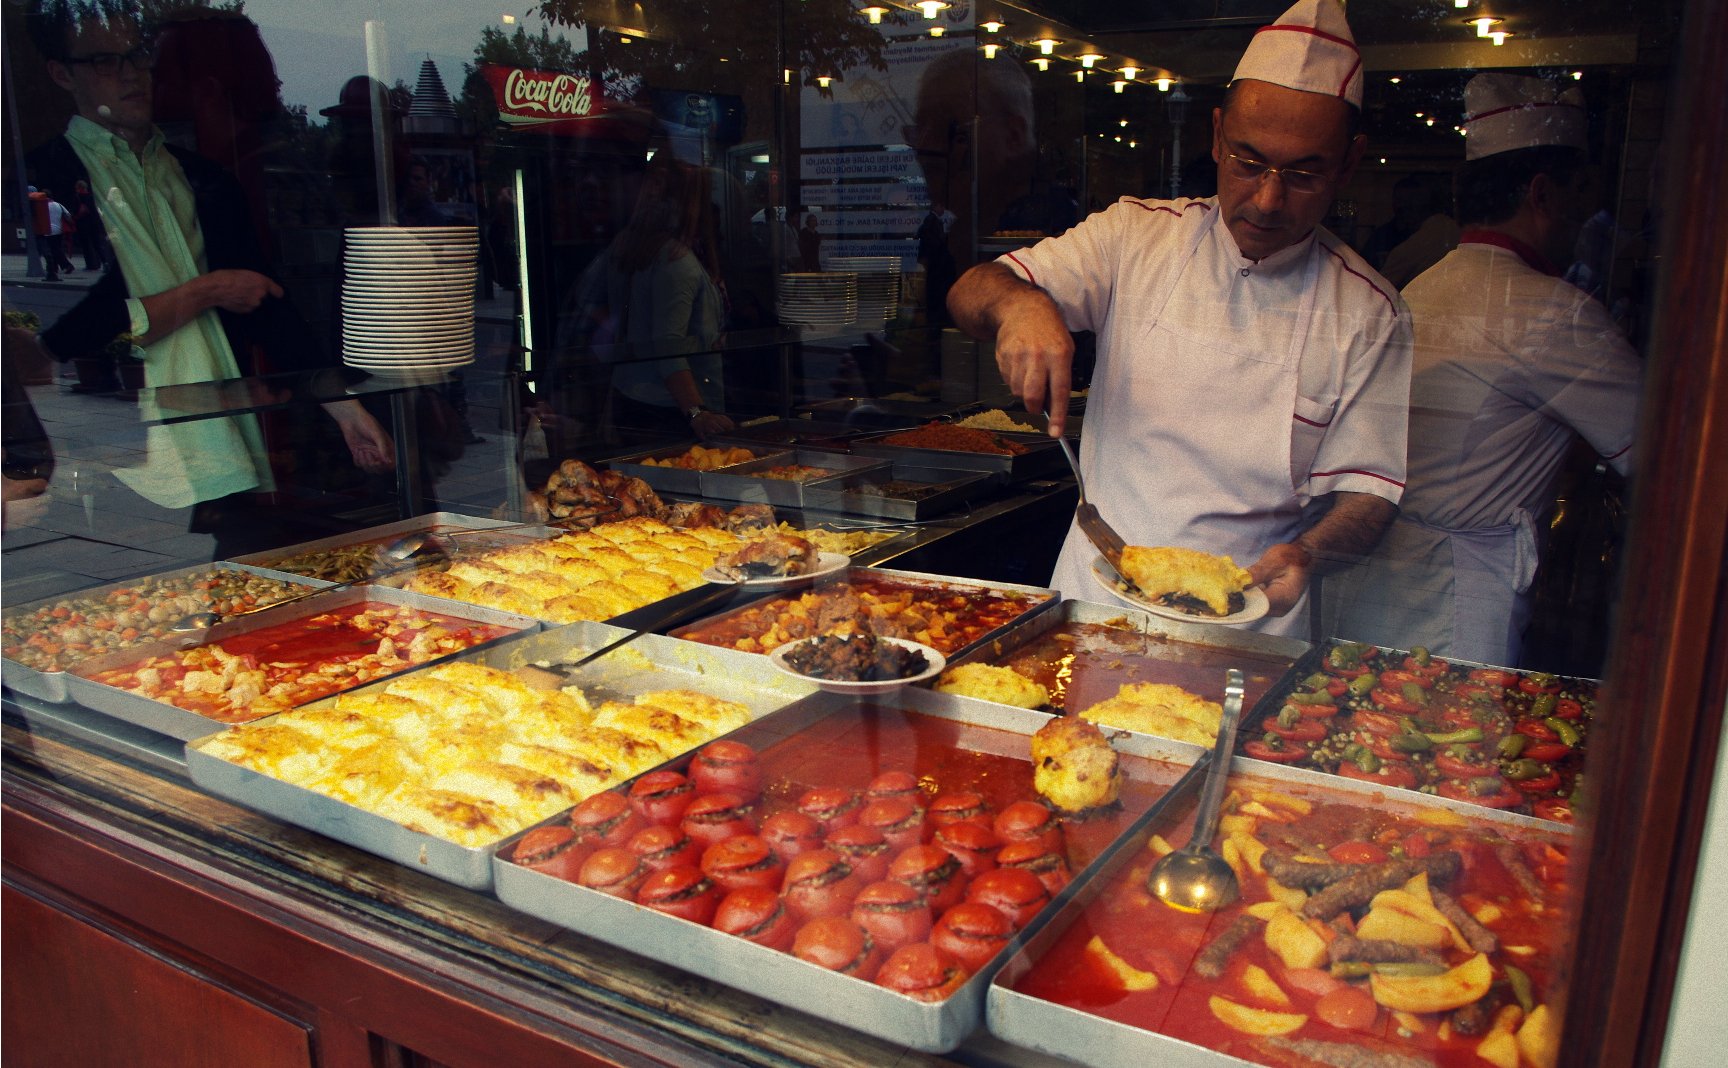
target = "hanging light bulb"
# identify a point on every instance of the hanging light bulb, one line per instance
(1577, 75)
(1046, 45)
(1460, 3)
(874, 14)
(824, 80)
(1430, 122)
(1079, 75)
(937, 31)
(1163, 84)
(1499, 37)
(1395, 79)
(990, 50)
(1130, 72)
(930, 7)
(992, 26)
(1118, 85)
(1122, 123)
(1089, 58)
(1133, 144)
(1483, 24)
(1041, 63)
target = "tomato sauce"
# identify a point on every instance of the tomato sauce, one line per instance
(1151, 937)
(261, 672)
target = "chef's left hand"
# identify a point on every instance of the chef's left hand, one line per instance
(368, 442)
(1283, 571)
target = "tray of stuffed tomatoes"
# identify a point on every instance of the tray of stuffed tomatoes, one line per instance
(1491, 736)
(867, 861)
(949, 615)
(279, 658)
(1374, 927)
(44, 639)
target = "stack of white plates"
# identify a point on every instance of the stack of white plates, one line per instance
(408, 297)
(878, 283)
(818, 298)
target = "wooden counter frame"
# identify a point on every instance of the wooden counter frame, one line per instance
(71, 839)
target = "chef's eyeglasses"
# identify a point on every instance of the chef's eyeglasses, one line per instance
(108, 64)
(1245, 169)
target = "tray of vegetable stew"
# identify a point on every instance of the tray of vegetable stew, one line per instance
(1486, 735)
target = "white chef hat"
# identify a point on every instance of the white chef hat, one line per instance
(1310, 47)
(1510, 111)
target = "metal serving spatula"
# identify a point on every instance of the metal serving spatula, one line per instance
(1103, 536)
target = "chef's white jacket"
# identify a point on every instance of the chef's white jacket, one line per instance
(1510, 364)
(1228, 393)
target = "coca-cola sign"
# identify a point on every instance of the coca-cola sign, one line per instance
(538, 97)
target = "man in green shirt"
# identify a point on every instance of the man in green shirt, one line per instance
(189, 288)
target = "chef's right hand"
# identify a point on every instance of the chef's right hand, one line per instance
(1035, 354)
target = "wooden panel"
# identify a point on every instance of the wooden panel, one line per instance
(93, 1000)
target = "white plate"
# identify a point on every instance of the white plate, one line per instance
(935, 662)
(1255, 604)
(826, 564)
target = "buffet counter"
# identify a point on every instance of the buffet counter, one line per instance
(328, 954)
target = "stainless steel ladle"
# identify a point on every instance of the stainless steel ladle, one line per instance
(1195, 878)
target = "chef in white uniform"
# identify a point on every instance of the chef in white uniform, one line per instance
(1512, 363)
(1249, 363)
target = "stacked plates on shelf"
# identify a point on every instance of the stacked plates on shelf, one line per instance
(818, 298)
(878, 284)
(408, 297)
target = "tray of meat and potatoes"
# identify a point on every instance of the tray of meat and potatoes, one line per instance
(359, 554)
(1487, 735)
(1124, 669)
(434, 768)
(1373, 927)
(679, 468)
(908, 492)
(869, 861)
(187, 685)
(782, 478)
(948, 615)
(44, 639)
(1010, 457)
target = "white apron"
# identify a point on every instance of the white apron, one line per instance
(1190, 441)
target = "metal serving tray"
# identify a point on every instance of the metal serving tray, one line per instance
(1047, 1027)
(428, 523)
(1267, 660)
(177, 722)
(1042, 599)
(678, 479)
(874, 412)
(952, 489)
(742, 482)
(783, 978)
(787, 433)
(52, 685)
(1043, 455)
(750, 680)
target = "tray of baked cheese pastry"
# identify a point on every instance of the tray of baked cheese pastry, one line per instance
(434, 768)
(1373, 927)
(1124, 668)
(869, 862)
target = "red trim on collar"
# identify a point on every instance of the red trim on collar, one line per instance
(1530, 105)
(1532, 259)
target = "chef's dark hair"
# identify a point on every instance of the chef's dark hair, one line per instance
(1491, 189)
(1352, 123)
(52, 24)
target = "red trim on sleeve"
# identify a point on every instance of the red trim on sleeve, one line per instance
(1620, 453)
(1356, 471)
(1023, 267)
(1344, 263)
(1310, 422)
